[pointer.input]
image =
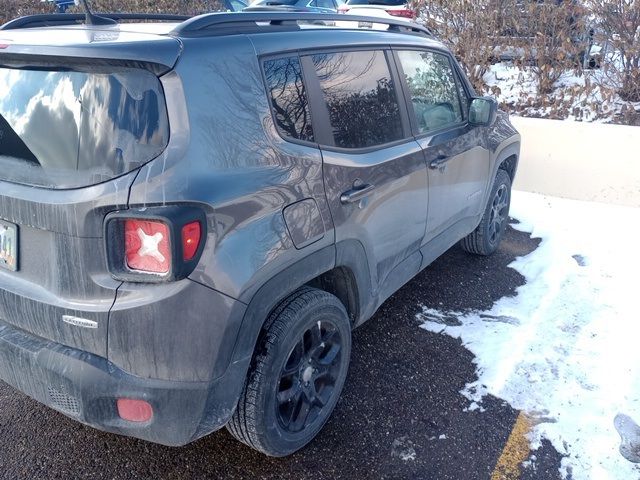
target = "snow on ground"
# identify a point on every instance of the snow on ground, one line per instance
(566, 348)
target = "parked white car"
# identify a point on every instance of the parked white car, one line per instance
(378, 8)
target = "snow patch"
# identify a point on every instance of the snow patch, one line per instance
(403, 448)
(566, 348)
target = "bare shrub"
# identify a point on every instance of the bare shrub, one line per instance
(18, 8)
(547, 35)
(467, 28)
(177, 7)
(555, 38)
(618, 26)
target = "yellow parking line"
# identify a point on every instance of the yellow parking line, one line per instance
(515, 451)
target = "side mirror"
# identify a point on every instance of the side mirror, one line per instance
(483, 111)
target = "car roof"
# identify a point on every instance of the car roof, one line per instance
(314, 37)
(272, 31)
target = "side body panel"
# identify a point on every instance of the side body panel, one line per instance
(390, 222)
(456, 186)
(235, 166)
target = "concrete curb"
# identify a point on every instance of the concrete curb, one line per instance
(582, 161)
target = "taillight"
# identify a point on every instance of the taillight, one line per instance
(147, 246)
(402, 12)
(155, 244)
(343, 8)
(190, 240)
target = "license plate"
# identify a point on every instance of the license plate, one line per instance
(8, 245)
(365, 25)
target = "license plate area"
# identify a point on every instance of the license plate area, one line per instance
(8, 246)
(365, 25)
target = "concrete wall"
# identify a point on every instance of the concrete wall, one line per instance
(583, 161)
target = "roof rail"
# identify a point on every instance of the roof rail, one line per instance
(243, 22)
(60, 19)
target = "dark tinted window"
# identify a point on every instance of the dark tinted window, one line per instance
(433, 89)
(325, 4)
(65, 129)
(288, 97)
(360, 97)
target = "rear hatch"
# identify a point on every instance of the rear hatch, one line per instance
(81, 109)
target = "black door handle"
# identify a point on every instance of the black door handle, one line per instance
(357, 193)
(439, 161)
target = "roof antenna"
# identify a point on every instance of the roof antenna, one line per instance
(90, 18)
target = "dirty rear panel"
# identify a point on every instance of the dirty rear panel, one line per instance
(80, 112)
(61, 265)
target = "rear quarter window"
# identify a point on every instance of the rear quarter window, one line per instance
(288, 98)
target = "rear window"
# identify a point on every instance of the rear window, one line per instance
(68, 129)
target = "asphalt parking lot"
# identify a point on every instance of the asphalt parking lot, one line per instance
(401, 414)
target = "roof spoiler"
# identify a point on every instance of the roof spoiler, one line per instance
(62, 19)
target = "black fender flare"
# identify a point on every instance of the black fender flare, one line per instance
(511, 150)
(349, 254)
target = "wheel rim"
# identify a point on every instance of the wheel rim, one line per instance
(308, 378)
(499, 212)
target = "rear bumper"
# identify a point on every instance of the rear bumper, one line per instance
(85, 387)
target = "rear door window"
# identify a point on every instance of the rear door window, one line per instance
(433, 89)
(288, 96)
(361, 98)
(68, 129)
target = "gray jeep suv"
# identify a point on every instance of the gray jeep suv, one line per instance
(195, 213)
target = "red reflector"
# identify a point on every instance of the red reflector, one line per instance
(134, 410)
(3, 46)
(190, 240)
(404, 12)
(147, 247)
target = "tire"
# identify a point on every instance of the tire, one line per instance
(485, 239)
(300, 365)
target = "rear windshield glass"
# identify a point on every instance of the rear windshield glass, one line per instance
(67, 129)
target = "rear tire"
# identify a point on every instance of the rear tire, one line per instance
(485, 239)
(297, 373)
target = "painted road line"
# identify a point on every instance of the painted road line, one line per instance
(515, 451)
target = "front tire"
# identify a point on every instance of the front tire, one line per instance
(296, 375)
(485, 239)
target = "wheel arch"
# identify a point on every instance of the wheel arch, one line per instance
(341, 270)
(507, 159)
